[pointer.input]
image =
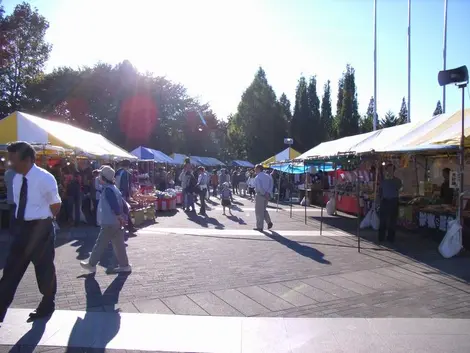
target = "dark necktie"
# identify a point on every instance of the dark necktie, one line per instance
(23, 199)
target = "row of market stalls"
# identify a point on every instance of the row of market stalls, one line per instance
(419, 150)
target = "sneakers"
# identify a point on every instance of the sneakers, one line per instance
(85, 265)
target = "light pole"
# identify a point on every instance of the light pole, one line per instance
(459, 77)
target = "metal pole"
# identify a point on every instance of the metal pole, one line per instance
(358, 213)
(444, 54)
(375, 66)
(278, 189)
(408, 118)
(306, 195)
(462, 158)
(321, 203)
(290, 192)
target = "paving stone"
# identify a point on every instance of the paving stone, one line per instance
(265, 298)
(345, 283)
(329, 287)
(390, 272)
(369, 279)
(241, 302)
(288, 294)
(182, 305)
(213, 304)
(316, 294)
(152, 306)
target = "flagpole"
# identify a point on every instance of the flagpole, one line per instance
(444, 53)
(408, 118)
(375, 66)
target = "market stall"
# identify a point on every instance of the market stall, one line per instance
(286, 155)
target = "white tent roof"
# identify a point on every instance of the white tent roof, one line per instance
(425, 134)
(33, 129)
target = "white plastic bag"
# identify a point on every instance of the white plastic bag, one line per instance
(452, 242)
(331, 207)
(302, 203)
(374, 220)
(365, 223)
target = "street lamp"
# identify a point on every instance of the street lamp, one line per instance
(459, 77)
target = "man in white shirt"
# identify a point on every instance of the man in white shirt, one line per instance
(202, 184)
(263, 189)
(37, 202)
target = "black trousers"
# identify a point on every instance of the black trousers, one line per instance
(33, 242)
(388, 218)
(202, 194)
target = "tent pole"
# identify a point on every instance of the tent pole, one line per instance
(290, 192)
(278, 189)
(321, 203)
(306, 197)
(358, 221)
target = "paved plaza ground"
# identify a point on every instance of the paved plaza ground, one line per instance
(218, 266)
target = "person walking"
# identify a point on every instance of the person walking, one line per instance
(201, 187)
(214, 182)
(263, 189)
(110, 216)
(36, 195)
(226, 198)
(251, 186)
(389, 194)
(123, 182)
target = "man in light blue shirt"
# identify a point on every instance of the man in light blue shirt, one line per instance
(263, 189)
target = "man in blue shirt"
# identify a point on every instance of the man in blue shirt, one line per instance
(389, 195)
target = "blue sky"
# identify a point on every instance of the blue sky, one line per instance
(215, 47)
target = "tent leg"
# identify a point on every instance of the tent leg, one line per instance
(306, 197)
(290, 193)
(278, 189)
(358, 221)
(321, 204)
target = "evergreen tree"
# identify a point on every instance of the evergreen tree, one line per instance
(326, 116)
(367, 122)
(315, 126)
(259, 121)
(438, 109)
(403, 114)
(301, 127)
(286, 109)
(389, 120)
(348, 117)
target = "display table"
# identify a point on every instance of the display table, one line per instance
(346, 203)
(166, 204)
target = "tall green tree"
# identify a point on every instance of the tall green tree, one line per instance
(326, 116)
(259, 120)
(438, 109)
(286, 109)
(24, 54)
(348, 117)
(302, 122)
(129, 108)
(389, 120)
(367, 122)
(403, 113)
(317, 130)
(339, 106)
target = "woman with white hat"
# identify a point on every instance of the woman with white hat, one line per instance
(110, 217)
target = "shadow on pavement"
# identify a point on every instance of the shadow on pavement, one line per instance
(28, 343)
(299, 248)
(236, 219)
(414, 245)
(98, 327)
(204, 221)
